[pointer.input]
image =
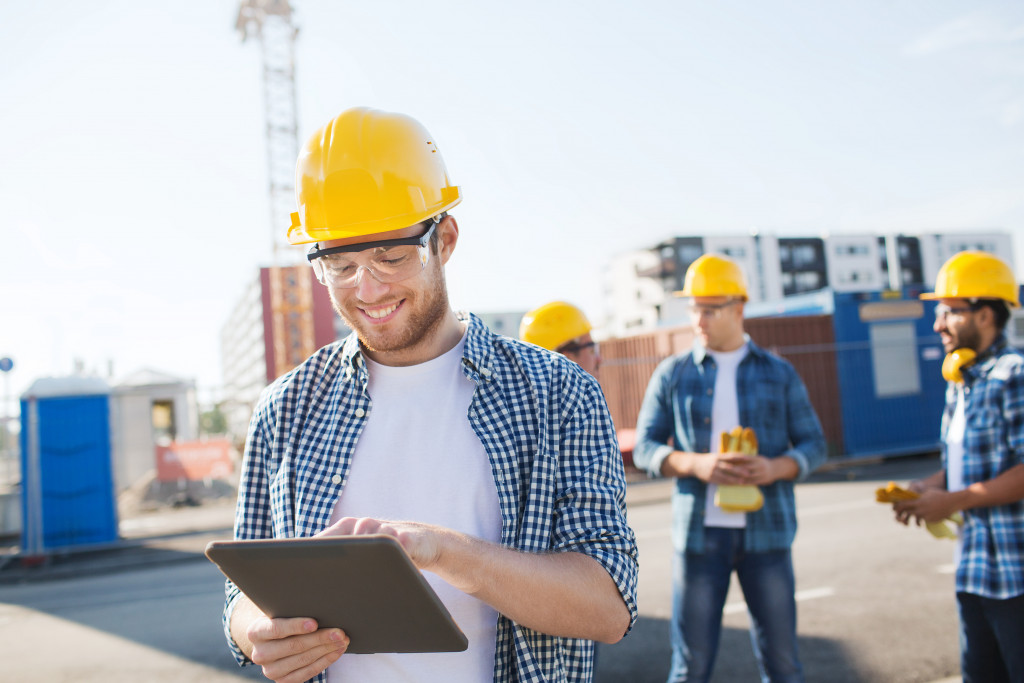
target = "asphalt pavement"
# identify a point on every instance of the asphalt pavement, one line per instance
(158, 538)
(178, 534)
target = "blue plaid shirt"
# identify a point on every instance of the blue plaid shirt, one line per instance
(772, 401)
(546, 429)
(992, 538)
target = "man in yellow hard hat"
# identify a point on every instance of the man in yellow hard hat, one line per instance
(513, 501)
(983, 462)
(727, 381)
(562, 328)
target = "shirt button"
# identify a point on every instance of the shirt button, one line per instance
(710, 392)
(360, 412)
(336, 479)
(707, 420)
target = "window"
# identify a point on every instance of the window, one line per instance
(803, 255)
(894, 359)
(163, 422)
(688, 253)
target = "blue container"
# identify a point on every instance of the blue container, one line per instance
(889, 363)
(67, 483)
(888, 367)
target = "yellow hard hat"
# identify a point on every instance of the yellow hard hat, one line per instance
(367, 172)
(553, 324)
(975, 275)
(714, 275)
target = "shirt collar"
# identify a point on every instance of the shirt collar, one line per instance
(700, 353)
(476, 358)
(986, 359)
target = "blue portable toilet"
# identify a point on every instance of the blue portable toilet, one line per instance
(67, 493)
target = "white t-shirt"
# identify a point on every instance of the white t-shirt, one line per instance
(955, 444)
(955, 453)
(725, 415)
(418, 459)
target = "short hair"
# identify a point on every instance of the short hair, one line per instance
(999, 309)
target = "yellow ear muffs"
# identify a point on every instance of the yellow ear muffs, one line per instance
(956, 361)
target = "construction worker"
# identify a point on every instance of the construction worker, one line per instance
(983, 462)
(514, 502)
(727, 381)
(564, 329)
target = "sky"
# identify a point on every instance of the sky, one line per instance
(133, 182)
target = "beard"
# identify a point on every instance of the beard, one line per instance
(426, 315)
(966, 337)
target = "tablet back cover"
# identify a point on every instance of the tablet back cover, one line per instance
(365, 585)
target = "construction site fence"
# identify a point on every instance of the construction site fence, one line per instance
(807, 342)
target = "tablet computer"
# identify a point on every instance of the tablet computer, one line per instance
(364, 585)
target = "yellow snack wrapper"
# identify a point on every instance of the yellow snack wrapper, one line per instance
(893, 493)
(744, 498)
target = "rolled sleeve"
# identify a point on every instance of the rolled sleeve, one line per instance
(590, 513)
(252, 512)
(654, 425)
(805, 433)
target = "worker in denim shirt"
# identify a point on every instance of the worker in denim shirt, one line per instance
(725, 381)
(983, 463)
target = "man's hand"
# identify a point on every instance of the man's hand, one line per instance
(293, 650)
(933, 505)
(740, 469)
(723, 468)
(422, 542)
(564, 594)
(289, 650)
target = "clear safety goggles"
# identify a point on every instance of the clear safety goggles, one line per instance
(573, 347)
(942, 311)
(386, 260)
(709, 311)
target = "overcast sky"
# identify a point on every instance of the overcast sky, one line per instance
(133, 202)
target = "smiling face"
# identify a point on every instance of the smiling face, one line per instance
(957, 326)
(405, 322)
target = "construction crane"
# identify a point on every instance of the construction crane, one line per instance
(271, 22)
(289, 286)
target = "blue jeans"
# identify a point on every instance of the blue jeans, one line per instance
(991, 638)
(699, 587)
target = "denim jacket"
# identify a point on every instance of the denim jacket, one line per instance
(772, 401)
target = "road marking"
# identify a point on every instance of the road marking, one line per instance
(946, 569)
(800, 596)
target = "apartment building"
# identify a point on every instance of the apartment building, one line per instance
(638, 285)
(283, 316)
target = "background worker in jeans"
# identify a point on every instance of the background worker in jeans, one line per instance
(564, 329)
(983, 463)
(426, 426)
(726, 381)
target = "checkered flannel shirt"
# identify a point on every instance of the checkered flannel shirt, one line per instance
(992, 538)
(772, 401)
(546, 429)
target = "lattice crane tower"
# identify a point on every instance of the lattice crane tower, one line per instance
(289, 286)
(271, 22)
